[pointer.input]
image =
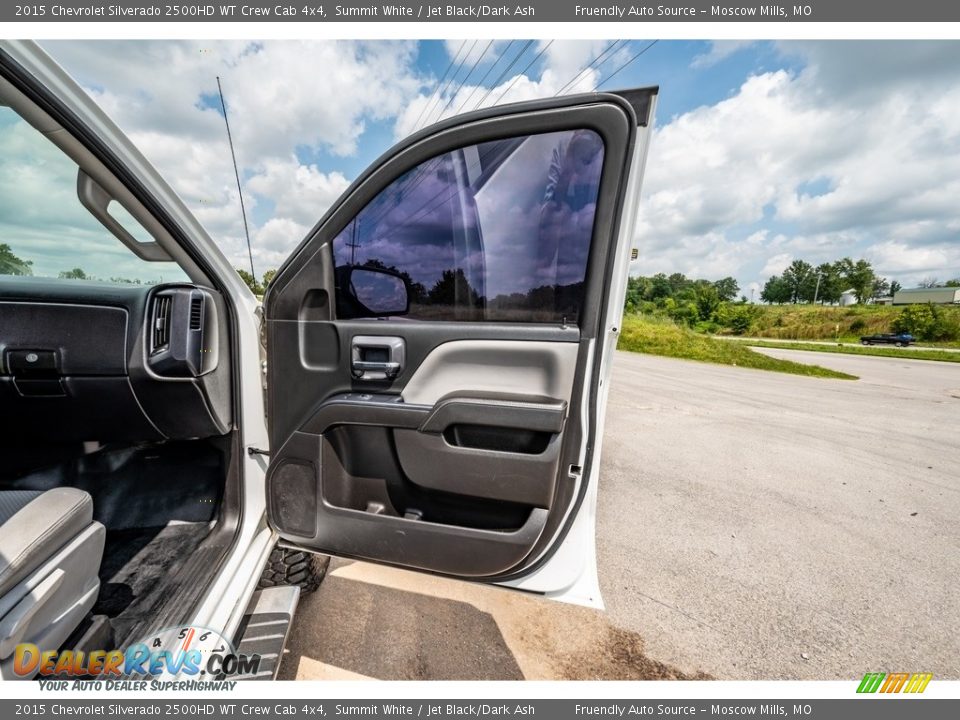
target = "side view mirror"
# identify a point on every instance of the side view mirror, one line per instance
(373, 292)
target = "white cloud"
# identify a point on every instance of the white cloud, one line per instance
(562, 64)
(719, 50)
(874, 126)
(889, 164)
(776, 264)
(300, 192)
(282, 97)
(273, 241)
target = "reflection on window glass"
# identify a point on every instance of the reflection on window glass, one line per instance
(45, 231)
(498, 231)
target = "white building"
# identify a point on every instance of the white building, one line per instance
(936, 295)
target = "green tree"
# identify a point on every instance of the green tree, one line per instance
(678, 282)
(707, 300)
(859, 277)
(800, 278)
(831, 283)
(255, 287)
(896, 287)
(10, 264)
(74, 274)
(952, 283)
(659, 287)
(453, 289)
(268, 277)
(727, 288)
(635, 292)
(881, 287)
(926, 322)
(775, 290)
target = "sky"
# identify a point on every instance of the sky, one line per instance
(763, 152)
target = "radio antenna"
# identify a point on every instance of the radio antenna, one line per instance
(236, 172)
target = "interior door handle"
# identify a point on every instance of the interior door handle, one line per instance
(390, 369)
(376, 357)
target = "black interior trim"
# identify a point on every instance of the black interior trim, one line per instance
(183, 600)
(317, 355)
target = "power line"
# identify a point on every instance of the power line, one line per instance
(421, 173)
(236, 172)
(503, 74)
(576, 77)
(453, 95)
(523, 72)
(450, 81)
(614, 73)
(434, 93)
(485, 76)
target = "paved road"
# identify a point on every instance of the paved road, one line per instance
(761, 525)
(751, 525)
(833, 343)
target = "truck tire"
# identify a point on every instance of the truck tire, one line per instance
(287, 566)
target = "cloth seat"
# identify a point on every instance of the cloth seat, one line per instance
(50, 553)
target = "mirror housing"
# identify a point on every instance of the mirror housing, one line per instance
(372, 291)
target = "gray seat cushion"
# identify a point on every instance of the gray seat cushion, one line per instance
(35, 525)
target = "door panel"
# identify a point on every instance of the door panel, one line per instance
(431, 344)
(526, 367)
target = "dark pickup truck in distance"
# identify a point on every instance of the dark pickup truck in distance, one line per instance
(898, 339)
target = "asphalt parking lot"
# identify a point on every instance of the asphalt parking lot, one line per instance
(752, 525)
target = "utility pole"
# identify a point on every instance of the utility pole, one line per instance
(354, 242)
(816, 292)
(236, 172)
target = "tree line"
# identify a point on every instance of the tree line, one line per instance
(802, 282)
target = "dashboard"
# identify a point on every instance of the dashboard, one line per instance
(88, 361)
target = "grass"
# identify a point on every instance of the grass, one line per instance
(818, 322)
(934, 355)
(644, 335)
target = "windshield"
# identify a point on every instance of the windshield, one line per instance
(44, 229)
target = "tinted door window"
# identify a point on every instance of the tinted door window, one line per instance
(498, 231)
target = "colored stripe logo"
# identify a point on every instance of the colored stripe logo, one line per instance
(894, 683)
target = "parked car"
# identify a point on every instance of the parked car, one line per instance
(429, 392)
(898, 339)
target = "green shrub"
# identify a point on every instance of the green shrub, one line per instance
(928, 322)
(708, 327)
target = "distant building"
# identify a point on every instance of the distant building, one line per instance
(848, 297)
(885, 300)
(936, 295)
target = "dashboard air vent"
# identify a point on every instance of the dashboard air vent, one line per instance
(196, 313)
(160, 336)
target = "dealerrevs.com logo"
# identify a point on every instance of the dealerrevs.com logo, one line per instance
(888, 683)
(178, 652)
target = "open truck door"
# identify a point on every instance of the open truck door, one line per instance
(438, 347)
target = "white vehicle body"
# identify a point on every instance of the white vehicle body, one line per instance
(562, 564)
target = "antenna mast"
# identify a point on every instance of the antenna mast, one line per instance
(236, 172)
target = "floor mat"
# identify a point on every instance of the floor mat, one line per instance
(142, 487)
(137, 561)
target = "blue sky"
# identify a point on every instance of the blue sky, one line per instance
(763, 152)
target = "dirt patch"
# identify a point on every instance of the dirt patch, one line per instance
(379, 622)
(619, 655)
